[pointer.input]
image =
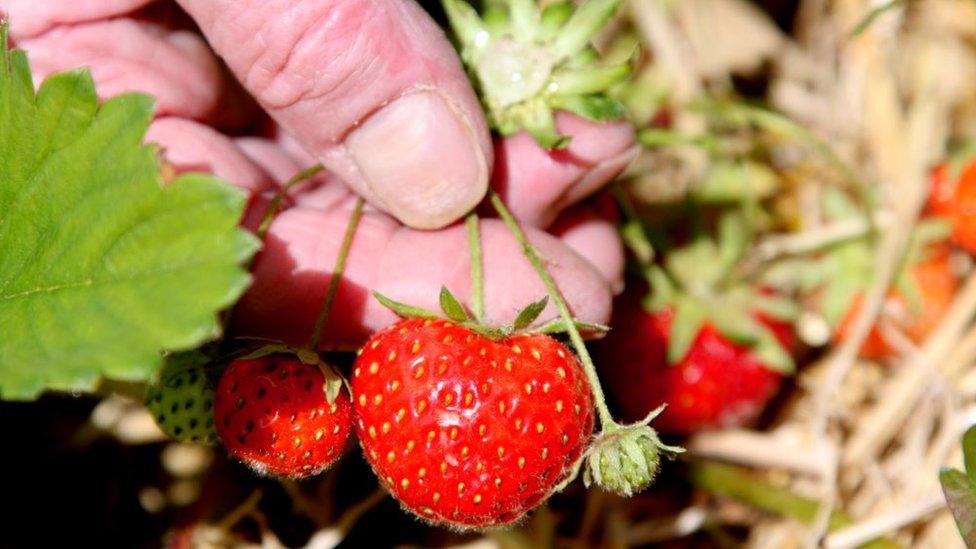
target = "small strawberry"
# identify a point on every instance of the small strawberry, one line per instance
(182, 400)
(953, 197)
(711, 348)
(465, 429)
(281, 415)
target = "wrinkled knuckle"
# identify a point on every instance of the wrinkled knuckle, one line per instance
(316, 57)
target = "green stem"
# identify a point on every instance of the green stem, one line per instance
(340, 267)
(532, 254)
(737, 483)
(477, 268)
(279, 197)
(269, 214)
(632, 230)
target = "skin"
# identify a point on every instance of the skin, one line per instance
(374, 91)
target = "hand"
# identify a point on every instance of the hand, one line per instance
(374, 91)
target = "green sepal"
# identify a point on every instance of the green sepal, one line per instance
(771, 353)
(464, 21)
(591, 107)
(404, 310)
(663, 290)
(525, 62)
(582, 26)
(587, 329)
(334, 382)
(452, 307)
(776, 307)
(689, 318)
(586, 81)
(734, 236)
(736, 325)
(554, 16)
(528, 315)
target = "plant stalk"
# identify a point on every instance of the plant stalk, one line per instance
(477, 268)
(532, 254)
(737, 483)
(340, 267)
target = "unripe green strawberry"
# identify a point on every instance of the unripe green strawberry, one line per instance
(181, 402)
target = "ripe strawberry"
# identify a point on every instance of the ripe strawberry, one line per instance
(933, 285)
(182, 404)
(718, 383)
(710, 347)
(273, 413)
(955, 200)
(466, 430)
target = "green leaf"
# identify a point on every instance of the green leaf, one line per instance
(689, 317)
(452, 307)
(101, 268)
(969, 453)
(531, 312)
(960, 494)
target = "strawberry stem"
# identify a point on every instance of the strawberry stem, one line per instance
(269, 214)
(340, 267)
(477, 268)
(534, 257)
(279, 197)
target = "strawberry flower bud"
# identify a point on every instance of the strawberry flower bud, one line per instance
(625, 460)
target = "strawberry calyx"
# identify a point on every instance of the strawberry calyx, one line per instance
(699, 283)
(625, 460)
(527, 62)
(334, 381)
(453, 310)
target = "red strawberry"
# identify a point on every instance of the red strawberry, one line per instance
(704, 342)
(273, 414)
(466, 430)
(955, 200)
(716, 384)
(934, 281)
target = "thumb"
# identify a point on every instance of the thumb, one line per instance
(371, 87)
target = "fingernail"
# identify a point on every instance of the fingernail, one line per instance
(421, 159)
